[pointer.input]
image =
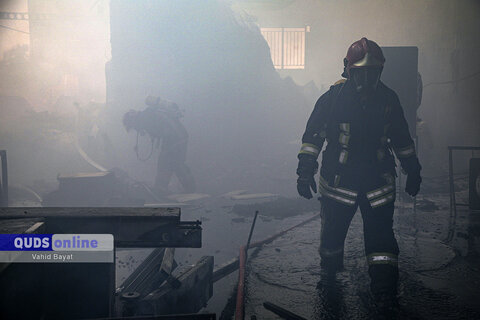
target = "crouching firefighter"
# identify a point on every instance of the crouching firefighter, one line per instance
(362, 121)
(161, 121)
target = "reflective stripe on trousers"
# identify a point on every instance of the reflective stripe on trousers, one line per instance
(382, 258)
(342, 195)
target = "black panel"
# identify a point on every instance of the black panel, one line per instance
(400, 74)
(474, 184)
(56, 290)
(3, 179)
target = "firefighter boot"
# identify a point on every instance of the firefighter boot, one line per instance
(383, 286)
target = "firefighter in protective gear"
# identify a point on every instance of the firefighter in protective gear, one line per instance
(362, 121)
(161, 121)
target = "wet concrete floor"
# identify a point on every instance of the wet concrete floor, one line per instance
(439, 262)
(439, 279)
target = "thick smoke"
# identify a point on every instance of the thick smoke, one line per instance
(244, 117)
(241, 116)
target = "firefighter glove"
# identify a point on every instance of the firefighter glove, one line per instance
(304, 185)
(413, 184)
(307, 167)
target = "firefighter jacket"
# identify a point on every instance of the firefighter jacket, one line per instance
(360, 137)
(163, 124)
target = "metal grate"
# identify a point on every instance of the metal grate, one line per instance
(287, 46)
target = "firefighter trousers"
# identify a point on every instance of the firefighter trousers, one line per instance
(168, 165)
(381, 247)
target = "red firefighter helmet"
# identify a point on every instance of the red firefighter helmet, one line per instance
(364, 53)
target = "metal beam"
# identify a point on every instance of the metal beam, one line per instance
(171, 214)
(131, 227)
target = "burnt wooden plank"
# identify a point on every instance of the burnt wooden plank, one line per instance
(225, 269)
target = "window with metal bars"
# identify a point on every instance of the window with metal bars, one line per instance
(287, 46)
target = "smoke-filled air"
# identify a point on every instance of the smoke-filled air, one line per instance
(222, 108)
